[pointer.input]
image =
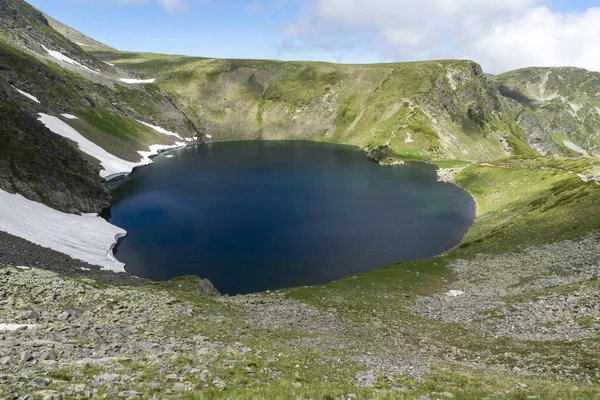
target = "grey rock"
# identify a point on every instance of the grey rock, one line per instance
(68, 315)
(25, 356)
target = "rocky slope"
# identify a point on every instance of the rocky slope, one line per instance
(558, 108)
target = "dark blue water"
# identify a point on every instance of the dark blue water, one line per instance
(252, 216)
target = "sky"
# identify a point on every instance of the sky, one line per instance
(499, 34)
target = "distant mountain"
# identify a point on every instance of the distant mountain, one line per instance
(560, 108)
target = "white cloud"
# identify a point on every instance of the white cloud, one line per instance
(501, 34)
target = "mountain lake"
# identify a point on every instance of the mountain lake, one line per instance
(258, 215)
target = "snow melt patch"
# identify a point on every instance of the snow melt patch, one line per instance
(107, 63)
(69, 116)
(112, 166)
(82, 44)
(85, 237)
(159, 148)
(160, 130)
(14, 327)
(29, 96)
(134, 81)
(575, 148)
(454, 293)
(63, 58)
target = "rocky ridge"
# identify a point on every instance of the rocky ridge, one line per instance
(558, 108)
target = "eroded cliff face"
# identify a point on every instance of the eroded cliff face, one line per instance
(559, 108)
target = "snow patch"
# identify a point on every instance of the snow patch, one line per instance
(62, 57)
(85, 237)
(82, 44)
(23, 268)
(160, 130)
(159, 148)
(30, 97)
(575, 148)
(107, 63)
(69, 116)
(208, 136)
(454, 293)
(112, 166)
(14, 327)
(134, 81)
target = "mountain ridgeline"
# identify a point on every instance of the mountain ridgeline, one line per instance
(435, 110)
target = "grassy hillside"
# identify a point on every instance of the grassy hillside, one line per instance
(433, 110)
(561, 108)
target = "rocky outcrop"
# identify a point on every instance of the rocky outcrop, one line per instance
(383, 156)
(559, 107)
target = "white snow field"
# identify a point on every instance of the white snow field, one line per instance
(112, 166)
(160, 130)
(62, 57)
(84, 237)
(29, 96)
(69, 116)
(134, 81)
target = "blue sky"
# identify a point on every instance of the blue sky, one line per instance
(501, 34)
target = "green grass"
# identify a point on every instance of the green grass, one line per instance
(363, 105)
